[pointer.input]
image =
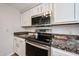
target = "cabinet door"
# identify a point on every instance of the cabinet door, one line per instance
(39, 9)
(26, 19)
(36, 10)
(47, 7)
(20, 46)
(77, 11)
(59, 52)
(15, 44)
(56, 52)
(63, 12)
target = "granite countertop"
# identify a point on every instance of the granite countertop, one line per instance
(28, 36)
(16, 33)
(31, 37)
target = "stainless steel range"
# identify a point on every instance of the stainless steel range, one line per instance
(40, 46)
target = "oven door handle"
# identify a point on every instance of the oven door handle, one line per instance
(38, 45)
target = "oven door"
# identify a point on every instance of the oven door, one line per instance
(37, 49)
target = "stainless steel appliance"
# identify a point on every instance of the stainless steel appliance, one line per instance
(37, 49)
(40, 46)
(41, 19)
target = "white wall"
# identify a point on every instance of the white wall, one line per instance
(9, 23)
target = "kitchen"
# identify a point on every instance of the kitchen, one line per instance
(39, 29)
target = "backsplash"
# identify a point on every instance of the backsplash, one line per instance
(66, 29)
(49, 29)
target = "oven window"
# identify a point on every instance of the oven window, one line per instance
(34, 51)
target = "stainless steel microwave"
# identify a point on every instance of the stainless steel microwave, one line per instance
(40, 19)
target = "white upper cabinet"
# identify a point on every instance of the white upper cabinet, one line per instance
(42, 8)
(77, 11)
(63, 12)
(26, 19)
(36, 10)
(47, 7)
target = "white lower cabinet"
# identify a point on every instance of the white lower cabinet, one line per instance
(59, 52)
(19, 46)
